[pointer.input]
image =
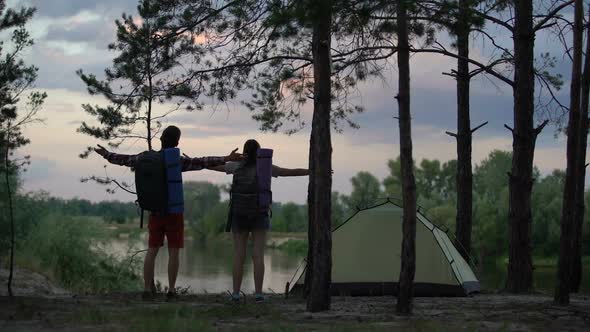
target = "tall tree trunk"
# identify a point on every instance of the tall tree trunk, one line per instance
(318, 298)
(408, 259)
(464, 172)
(564, 268)
(582, 142)
(520, 267)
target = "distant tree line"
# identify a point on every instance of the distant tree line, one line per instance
(110, 211)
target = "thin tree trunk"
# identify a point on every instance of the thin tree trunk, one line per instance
(149, 113)
(564, 268)
(520, 267)
(464, 171)
(10, 210)
(149, 122)
(310, 228)
(150, 92)
(321, 162)
(408, 259)
(582, 132)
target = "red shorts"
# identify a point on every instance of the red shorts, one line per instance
(171, 226)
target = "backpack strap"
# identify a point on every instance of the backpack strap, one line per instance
(140, 211)
(141, 220)
(257, 187)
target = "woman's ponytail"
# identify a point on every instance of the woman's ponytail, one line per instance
(251, 151)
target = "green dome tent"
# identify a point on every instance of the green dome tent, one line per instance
(366, 251)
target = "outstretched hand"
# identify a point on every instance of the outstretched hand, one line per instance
(100, 150)
(234, 156)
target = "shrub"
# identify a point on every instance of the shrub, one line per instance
(69, 250)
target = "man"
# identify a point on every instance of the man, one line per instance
(169, 225)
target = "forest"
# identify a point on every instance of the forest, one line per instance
(293, 65)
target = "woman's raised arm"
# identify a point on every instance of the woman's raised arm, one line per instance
(279, 171)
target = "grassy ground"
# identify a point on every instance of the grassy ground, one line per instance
(126, 312)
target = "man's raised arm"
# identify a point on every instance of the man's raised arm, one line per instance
(115, 158)
(199, 163)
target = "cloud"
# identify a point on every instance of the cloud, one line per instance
(67, 8)
(431, 108)
(94, 30)
(208, 131)
(218, 133)
(70, 35)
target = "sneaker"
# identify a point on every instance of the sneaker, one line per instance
(259, 298)
(235, 298)
(171, 296)
(148, 296)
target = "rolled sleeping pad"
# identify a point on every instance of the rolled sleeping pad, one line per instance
(174, 180)
(264, 174)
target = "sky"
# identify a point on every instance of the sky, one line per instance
(74, 34)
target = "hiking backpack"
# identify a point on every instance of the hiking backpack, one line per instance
(158, 182)
(250, 194)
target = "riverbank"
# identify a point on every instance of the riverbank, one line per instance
(29, 283)
(126, 312)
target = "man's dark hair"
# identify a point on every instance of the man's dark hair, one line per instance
(170, 137)
(251, 151)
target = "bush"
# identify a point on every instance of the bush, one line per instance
(27, 214)
(68, 249)
(294, 247)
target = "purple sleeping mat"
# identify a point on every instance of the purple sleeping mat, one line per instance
(264, 173)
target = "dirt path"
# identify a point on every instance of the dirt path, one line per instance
(127, 312)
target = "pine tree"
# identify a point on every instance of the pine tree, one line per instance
(582, 132)
(408, 268)
(16, 79)
(320, 157)
(465, 22)
(147, 70)
(572, 180)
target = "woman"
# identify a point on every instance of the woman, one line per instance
(243, 222)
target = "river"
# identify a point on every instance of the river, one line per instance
(208, 269)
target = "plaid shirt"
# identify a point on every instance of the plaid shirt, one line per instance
(188, 164)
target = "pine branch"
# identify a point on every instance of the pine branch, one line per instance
(541, 24)
(484, 68)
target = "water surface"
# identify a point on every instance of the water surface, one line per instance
(207, 268)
